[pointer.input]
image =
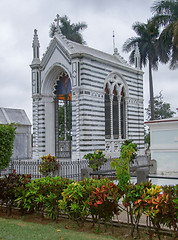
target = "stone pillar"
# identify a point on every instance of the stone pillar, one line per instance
(85, 173)
(78, 124)
(35, 129)
(126, 118)
(142, 174)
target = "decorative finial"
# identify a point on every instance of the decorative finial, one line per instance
(113, 41)
(35, 39)
(137, 57)
(36, 48)
(115, 51)
(137, 49)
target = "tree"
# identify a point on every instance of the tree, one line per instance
(7, 136)
(166, 17)
(161, 108)
(147, 42)
(68, 29)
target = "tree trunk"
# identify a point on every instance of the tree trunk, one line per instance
(151, 92)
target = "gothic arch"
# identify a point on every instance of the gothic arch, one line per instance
(50, 79)
(56, 89)
(118, 80)
(116, 94)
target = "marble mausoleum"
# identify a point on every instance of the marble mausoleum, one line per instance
(84, 99)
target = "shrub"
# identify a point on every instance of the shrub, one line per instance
(74, 202)
(103, 202)
(42, 195)
(11, 187)
(98, 198)
(155, 201)
(96, 160)
(132, 193)
(7, 135)
(48, 165)
(128, 151)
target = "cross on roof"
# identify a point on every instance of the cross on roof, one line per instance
(57, 19)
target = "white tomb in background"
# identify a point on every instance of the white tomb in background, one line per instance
(84, 100)
(164, 145)
(22, 142)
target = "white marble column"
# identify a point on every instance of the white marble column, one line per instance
(126, 118)
(119, 117)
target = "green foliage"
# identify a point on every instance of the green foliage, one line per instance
(161, 109)
(147, 39)
(103, 201)
(127, 154)
(10, 188)
(98, 198)
(7, 135)
(48, 165)
(166, 18)
(65, 128)
(96, 160)
(70, 30)
(158, 203)
(43, 195)
(74, 201)
(147, 137)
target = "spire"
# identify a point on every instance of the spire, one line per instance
(113, 36)
(114, 45)
(137, 57)
(36, 47)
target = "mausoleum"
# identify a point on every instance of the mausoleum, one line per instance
(22, 143)
(84, 99)
(164, 145)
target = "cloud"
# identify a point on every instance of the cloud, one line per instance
(18, 19)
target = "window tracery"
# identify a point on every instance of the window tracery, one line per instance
(115, 109)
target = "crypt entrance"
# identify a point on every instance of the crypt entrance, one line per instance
(63, 116)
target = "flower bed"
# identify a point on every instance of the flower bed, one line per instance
(98, 199)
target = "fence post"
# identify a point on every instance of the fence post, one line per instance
(153, 168)
(142, 174)
(85, 173)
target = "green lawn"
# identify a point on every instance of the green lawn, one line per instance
(13, 229)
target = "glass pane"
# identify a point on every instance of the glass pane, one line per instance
(107, 116)
(123, 128)
(115, 118)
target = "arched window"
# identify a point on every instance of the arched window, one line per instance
(115, 115)
(123, 115)
(115, 110)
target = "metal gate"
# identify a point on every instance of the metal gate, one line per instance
(63, 118)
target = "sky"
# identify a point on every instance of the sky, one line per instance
(19, 18)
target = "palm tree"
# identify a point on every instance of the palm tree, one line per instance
(166, 16)
(147, 43)
(71, 31)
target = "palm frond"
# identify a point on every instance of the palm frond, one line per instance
(175, 34)
(130, 44)
(164, 7)
(174, 58)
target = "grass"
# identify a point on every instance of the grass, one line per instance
(15, 229)
(34, 227)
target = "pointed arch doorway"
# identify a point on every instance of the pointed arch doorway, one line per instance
(63, 117)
